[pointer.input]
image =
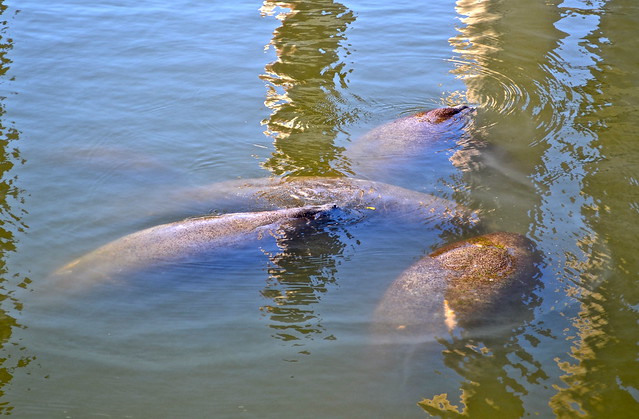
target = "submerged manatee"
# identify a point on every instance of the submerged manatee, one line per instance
(268, 203)
(179, 241)
(365, 196)
(419, 146)
(463, 284)
(413, 134)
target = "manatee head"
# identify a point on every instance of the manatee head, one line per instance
(415, 147)
(439, 115)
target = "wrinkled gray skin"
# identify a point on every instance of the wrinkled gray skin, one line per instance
(179, 241)
(363, 196)
(420, 146)
(463, 284)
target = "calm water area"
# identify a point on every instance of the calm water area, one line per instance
(110, 111)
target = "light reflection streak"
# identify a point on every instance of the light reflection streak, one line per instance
(566, 220)
(305, 86)
(300, 272)
(597, 380)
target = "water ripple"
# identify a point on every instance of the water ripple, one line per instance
(505, 97)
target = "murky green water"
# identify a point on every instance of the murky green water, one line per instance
(108, 109)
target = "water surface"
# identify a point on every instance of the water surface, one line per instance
(107, 109)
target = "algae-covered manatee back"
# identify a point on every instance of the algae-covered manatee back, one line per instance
(465, 284)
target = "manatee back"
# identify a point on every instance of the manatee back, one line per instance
(181, 242)
(368, 198)
(421, 147)
(469, 283)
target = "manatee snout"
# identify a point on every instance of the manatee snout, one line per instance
(315, 212)
(439, 115)
(490, 276)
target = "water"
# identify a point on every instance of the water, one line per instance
(108, 109)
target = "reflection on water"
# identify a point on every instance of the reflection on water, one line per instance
(600, 372)
(486, 38)
(497, 370)
(299, 273)
(12, 355)
(574, 99)
(306, 86)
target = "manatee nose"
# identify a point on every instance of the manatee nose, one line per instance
(465, 108)
(438, 115)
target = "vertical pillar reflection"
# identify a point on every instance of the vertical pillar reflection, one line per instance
(305, 93)
(305, 86)
(502, 51)
(600, 376)
(302, 270)
(563, 76)
(489, 42)
(10, 223)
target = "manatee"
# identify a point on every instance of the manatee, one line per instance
(426, 146)
(465, 284)
(363, 196)
(180, 242)
(414, 133)
(259, 206)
